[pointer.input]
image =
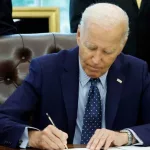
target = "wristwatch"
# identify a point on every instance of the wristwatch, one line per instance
(130, 136)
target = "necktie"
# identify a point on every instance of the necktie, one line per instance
(93, 113)
(139, 3)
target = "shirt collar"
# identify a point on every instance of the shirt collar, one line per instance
(84, 78)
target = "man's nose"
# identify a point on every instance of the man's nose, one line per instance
(97, 58)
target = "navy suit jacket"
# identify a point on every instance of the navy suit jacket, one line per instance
(52, 87)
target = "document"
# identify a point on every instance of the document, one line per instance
(134, 148)
(119, 148)
(112, 148)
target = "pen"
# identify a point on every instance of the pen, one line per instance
(54, 125)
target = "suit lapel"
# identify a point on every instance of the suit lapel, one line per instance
(70, 84)
(138, 9)
(135, 1)
(115, 82)
(143, 3)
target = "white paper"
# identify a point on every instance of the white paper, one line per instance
(134, 148)
(118, 148)
(112, 148)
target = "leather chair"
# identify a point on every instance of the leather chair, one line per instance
(16, 52)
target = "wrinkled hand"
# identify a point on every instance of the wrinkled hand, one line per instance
(49, 138)
(104, 138)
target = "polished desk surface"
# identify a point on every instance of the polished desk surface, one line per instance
(69, 146)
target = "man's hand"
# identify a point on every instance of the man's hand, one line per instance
(106, 138)
(49, 138)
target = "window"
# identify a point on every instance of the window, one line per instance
(62, 4)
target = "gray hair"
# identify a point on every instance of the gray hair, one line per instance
(107, 15)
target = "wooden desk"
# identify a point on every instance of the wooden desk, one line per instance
(69, 146)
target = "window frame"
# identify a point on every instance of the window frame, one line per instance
(52, 13)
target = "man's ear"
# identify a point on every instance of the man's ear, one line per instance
(78, 35)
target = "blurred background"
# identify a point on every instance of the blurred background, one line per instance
(63, 5)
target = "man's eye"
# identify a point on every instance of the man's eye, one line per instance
(92, 49)
(108, 52)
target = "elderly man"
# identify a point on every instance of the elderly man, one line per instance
(94, 94)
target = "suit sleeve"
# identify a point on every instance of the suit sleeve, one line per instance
(16, 111)
(76, 9)
(143, 130)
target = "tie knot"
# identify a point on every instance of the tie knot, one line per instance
(94, 81)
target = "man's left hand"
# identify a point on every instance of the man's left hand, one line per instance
(104, 138)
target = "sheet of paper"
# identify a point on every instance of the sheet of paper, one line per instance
(113, 148)
(119, 148)
(134, 148)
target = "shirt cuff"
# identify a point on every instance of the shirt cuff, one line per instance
(138, 140)
(24, 138)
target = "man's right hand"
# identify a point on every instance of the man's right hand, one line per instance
(49, 138)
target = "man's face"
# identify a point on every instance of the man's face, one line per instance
(98, 48)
